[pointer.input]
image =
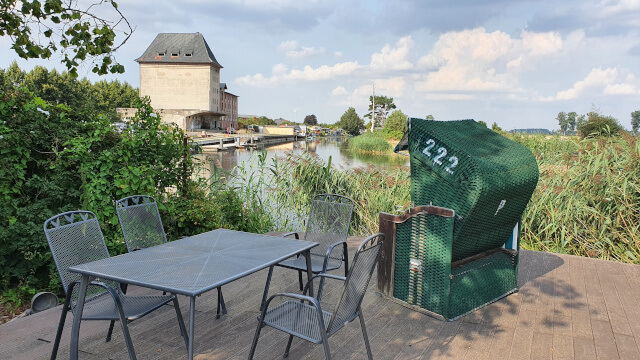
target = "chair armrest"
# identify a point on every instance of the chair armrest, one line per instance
(321, 275)
(109, 289)
(315, 303)
(330, 250)
(302, 298)
(297, 236)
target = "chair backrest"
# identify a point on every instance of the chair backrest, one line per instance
(329, 221)
(74, 238)
(357, 282)
(140, 222)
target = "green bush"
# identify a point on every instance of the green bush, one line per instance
(54, 159)
(598, 125)
(395, 126)
(369, 143)
(33, 185)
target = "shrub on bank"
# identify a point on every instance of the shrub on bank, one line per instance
(55, 159)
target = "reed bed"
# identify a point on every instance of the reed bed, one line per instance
(587, 202)
(588, 198)
(372, 190)
(369, 143)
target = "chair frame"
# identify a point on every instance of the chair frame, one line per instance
(137, 201)
(87, 217)
(330, 198)
(327, 331)
(146, 200)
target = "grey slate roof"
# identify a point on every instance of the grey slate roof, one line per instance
(179, 48)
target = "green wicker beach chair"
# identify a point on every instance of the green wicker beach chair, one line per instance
(458, 249)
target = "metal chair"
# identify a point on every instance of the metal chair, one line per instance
(75, 238)
(142, 227)
(328, 225)
(302, 315)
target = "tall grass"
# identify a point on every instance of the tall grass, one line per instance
(369, 143)
(587, 202)
(372, 190)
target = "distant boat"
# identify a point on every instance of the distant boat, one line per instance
(309, 137)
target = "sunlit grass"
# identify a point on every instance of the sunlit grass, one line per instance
(587, 201)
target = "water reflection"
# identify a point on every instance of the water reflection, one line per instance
(323, 148)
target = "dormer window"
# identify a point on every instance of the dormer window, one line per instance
(188, 53)
(175, 54)
(162, 53)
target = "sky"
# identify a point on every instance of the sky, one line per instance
(516, 63)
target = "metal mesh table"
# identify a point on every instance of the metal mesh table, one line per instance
(191, 267)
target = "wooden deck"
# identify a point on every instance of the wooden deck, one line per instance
(567, 307)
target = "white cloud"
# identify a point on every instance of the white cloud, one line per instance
(393, 58)
(338, 54)
(281, 75)
(389, 59)
(393, 87)
(541, 44)
(478, 61)
(293, 49)
(618, 7)
(339, 91)
(620, 89)
(610, 81)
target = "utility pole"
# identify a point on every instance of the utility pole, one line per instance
(373, 109)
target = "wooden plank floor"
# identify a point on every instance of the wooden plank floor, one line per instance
(568, 307)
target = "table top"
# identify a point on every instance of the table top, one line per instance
(197, 264)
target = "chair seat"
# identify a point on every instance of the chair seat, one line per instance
(102, 306)
(300, 263)
(297, 318)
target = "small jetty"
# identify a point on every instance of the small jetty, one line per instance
(232, 142)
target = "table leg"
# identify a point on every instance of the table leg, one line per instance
(192, 318)
(307, 255)
(75, 330)
(266, 287)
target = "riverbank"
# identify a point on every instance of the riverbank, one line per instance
(587, 202)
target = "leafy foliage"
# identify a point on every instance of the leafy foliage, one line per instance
(33, 185)
(76, 34)
(562, 121)
(54, 159)
(351, 122)
(101, 97)
(311, 120)
(383, 105)
(396, 125)
(598, 125)
(262, 120)
(572, 119)
(635, 121)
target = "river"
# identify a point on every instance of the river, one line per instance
(324, 148)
